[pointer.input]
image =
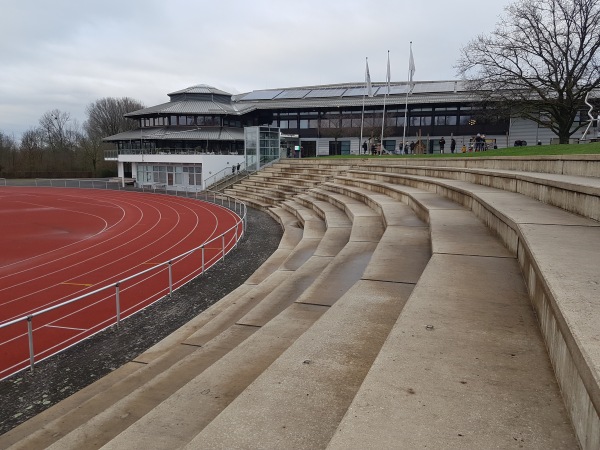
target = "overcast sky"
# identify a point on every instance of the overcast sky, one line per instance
(65, 54)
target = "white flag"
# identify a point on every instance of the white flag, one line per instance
(411, 68)
(388, 78)
(368, 81)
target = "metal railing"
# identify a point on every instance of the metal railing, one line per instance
(224, 200)
(84, 183)
(227, 172)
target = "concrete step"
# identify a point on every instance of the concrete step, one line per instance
(577, 194)
(317, 274)
(262, 199)
(561, 280)
(464, 367)
(254, 202)
(367, 224)
(311, 385)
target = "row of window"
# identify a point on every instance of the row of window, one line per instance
(391, 120)
(186, 175)
(394, 117)
(191, 121)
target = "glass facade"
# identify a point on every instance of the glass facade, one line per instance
(346, 122)
(262, 146)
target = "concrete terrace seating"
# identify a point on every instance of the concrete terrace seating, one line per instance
(409, 305)
(282, 181)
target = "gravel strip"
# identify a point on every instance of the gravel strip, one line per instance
(24, 395)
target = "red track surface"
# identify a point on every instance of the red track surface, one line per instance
(57, 244)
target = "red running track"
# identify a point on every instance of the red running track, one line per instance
(57, 244)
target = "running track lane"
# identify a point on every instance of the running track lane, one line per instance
(57, 244)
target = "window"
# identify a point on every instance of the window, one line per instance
(422, 121)
(465, 120)
(445, 120)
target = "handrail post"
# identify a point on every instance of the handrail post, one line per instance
(118, 300)
(170, 278)
(203, 259)
(30, 339)
(223, 244)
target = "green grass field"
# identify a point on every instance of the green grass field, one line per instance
(530, 150)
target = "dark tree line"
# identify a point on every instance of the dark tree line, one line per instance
(540, 62)
(58, 146)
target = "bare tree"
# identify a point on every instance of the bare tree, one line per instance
(61, 135)
(541, 61)
(105, 116)
(8, 153)
(92, 152)
(32, 150)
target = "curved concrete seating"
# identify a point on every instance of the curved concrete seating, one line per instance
(314, 381)
(304, 405)
(577, 194)
(560, 279)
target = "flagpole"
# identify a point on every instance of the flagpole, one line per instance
(411, 71)
(362, 116)
(384, 98)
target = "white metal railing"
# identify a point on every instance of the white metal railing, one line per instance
(224, 200)
(2, 181)
(78, 183)
(224, 173)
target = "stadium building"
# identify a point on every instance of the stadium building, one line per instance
(202, 133)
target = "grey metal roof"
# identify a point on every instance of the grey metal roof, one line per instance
(200, 89)
(188, 107)
(306, 103)
(205, 133)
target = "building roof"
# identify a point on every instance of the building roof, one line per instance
(203, 99)
(200, 89)
(195, 134)
(188, 107)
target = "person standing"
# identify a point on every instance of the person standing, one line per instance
(452, 145)
(442, 144)
(478, 142)
(365, 147)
